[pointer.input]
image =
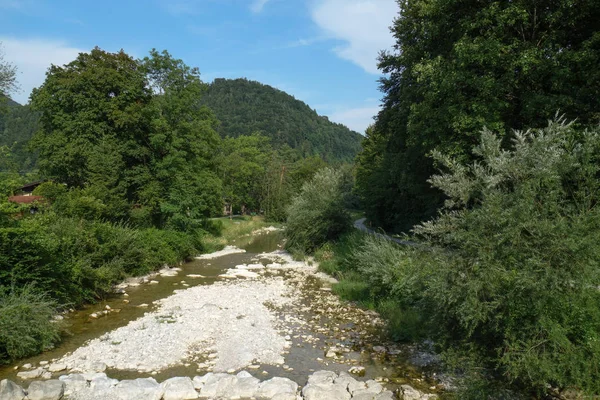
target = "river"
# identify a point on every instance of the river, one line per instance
(320, 331)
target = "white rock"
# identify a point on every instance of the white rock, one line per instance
(275, 386)
(325, 392)
(57, 367)
(139, 389)
(11, 391)
(179, 389)
(48, 390)
(33, 374)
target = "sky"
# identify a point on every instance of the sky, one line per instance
(323, 52)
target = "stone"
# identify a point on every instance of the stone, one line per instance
(11, 391)
(325, 392)
(276, 386)
(374, 386)
(217, 385)
(96, 366)
(386, 395)
(48, 390)
(284, 396)
(379, 349)
(103, 383)
(73, 382)
(179, 389)
(322, 377)
(139, 389)
(363, 395)
(27, 366)
(33, 374)
(57, 367)
(350, 383)
(90, 376)
(358, 370)
(410, 393)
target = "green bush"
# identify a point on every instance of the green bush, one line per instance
(25, 323)
(516, 276)
(76, 261)
(317, 214)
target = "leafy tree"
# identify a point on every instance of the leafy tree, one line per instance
(516, 276)
(461, 65)
(317, 215)
(183, 145)
(130, 134)
(243, 164)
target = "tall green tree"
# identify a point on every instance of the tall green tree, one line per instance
(132, 134)
(243, 165)
(460, 65)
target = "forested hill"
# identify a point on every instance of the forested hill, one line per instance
(244, 107)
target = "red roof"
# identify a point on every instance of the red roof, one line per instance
(25, 199)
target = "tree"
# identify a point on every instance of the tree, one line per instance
(461, 65)
(8, 76)
(243, 164)
(512, 274)
(132, 134)
(317, 214)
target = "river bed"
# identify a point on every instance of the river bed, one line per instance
(316, 330)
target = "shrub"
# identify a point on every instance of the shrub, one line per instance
(25, 323)
(516, 277)
(317, 214)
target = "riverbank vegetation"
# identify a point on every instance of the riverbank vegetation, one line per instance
(130, 174)
(505, 280)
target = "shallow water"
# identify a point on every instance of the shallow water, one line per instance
(303, 357)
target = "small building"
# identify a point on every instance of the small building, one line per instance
(28, 199)
(27, 190)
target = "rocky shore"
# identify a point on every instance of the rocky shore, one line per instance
(321, 385)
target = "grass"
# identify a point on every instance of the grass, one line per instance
(367, 268)
(233, 229)
(25, 323)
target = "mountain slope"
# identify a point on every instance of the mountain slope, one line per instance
(244, 107)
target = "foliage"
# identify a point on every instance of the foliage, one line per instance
(8, 76)
(244, 107)
(25, 323)
(243, 163)
(517, 278)
(76, 261)
(130, 133)
(317, 214)
(459, 66)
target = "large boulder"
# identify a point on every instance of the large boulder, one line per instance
(275, 386)
(11, 391)
(179, 389)
(48, 390)
(216, 385)
(139, 389)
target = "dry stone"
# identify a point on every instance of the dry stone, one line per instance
(11, 391)
(179, 389)
(48, 390)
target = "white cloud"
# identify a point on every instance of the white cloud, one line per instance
(362, 24)
(258, 5)
(358, 119)
(32, 58)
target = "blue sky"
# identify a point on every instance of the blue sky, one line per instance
(321, 51)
